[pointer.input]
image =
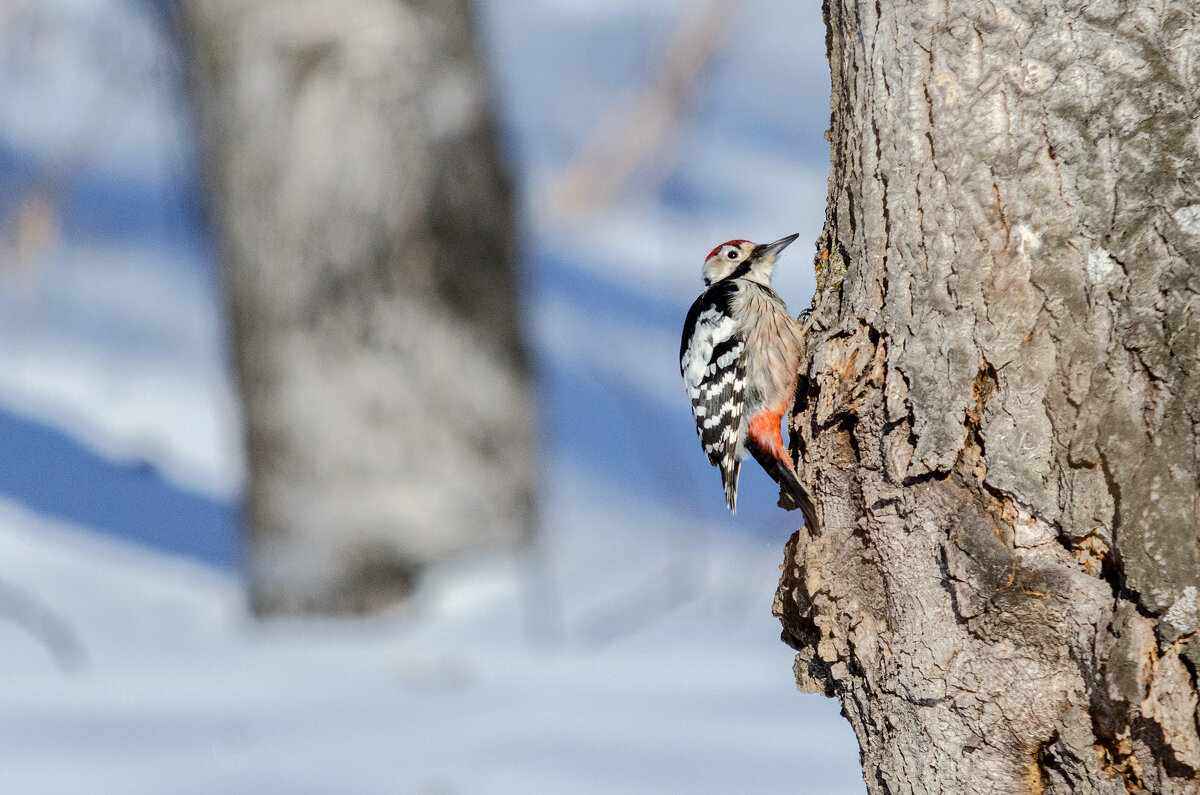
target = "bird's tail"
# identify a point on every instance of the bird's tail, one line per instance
(782, 473)
(730, 467)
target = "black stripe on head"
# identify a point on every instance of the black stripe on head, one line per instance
(741, 270)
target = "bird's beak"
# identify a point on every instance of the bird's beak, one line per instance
(771, 249)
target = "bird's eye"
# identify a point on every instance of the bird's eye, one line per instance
(732, 254)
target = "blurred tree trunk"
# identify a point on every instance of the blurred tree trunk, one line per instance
(367, 233)
(1000, 415)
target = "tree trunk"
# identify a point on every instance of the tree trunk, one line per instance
(367, 234)
(1000, 413)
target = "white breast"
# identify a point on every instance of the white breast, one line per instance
(773, 342)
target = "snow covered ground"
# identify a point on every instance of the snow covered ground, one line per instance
(631, 649)
(135, 672)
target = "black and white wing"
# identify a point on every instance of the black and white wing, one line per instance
(714, 375)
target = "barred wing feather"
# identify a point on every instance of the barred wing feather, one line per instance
(713, 369)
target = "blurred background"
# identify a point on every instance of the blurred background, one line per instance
(342, 442)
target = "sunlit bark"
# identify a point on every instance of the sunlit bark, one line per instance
(1000, 413)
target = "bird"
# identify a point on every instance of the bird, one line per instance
(740, 359)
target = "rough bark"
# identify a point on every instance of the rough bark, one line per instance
(367, 235)
(1001, 407)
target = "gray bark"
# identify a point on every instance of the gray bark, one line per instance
(367, 236)
(1000, 413)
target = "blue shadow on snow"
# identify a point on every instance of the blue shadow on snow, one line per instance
(53, 474)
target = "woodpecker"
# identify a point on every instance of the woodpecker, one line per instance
(740, 359)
